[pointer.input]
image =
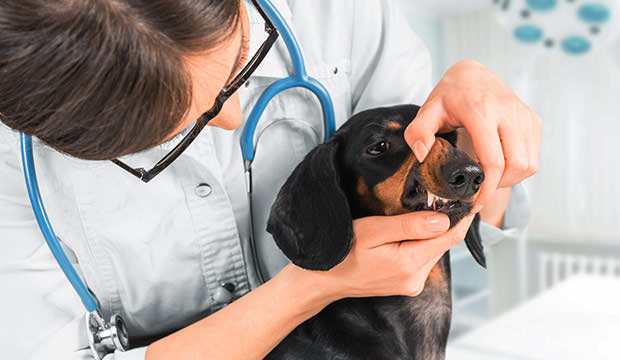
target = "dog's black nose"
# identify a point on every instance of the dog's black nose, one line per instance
(463, 177)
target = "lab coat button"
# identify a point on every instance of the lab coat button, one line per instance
(223, 294)
(203, 190)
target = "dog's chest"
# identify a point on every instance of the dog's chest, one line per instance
(434, 303)
(423, 322)
(393, 327)
(432, 311)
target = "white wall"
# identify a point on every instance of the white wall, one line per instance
(575, 197)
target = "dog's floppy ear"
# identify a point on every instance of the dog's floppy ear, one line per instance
(474, 242)
(311, 220)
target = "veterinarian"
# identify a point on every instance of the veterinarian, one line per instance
(102, 80)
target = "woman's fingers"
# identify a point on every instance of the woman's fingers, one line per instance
(488, 147)
(432, 249)
(534, 127)
(515, 149)
(383, 263)
(375, 231)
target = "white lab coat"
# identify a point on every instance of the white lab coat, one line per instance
(157, 253)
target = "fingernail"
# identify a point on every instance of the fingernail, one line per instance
(420, 150)
(437, 223)
(477, 208)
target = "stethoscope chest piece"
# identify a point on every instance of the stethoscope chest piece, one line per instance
(105, 338)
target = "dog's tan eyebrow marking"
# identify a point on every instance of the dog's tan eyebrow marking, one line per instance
(393, 125)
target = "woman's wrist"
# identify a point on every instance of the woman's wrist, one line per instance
(314, 288)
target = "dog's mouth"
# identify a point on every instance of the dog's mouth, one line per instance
(437, 203)
(419, 198)
(422, 199)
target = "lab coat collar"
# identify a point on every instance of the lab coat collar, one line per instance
(277, 63)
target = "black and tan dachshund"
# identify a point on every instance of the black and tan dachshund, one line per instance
(366, 169)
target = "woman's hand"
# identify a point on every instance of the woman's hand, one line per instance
(505, 132)
(392, 255)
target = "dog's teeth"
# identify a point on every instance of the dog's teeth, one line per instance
(430, 199)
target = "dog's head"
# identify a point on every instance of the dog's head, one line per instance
(366, 169)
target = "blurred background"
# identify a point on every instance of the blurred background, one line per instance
(552, 292)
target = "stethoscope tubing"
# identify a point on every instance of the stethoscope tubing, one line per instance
(299, 78)
(46, 228)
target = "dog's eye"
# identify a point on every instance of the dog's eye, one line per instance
(378, 148)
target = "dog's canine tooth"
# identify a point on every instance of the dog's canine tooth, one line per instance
(430, 199)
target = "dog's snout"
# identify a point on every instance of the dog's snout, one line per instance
(463, 177)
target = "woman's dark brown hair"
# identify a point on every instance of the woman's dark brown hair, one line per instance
(103, 78)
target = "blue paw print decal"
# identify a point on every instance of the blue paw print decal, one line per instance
(574, 27)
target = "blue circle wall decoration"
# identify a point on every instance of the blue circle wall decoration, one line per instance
(568, 27)
(541, 5)
(528, 33)
(594, 14)
(575, 45)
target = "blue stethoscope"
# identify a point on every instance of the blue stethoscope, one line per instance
(107, 336)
